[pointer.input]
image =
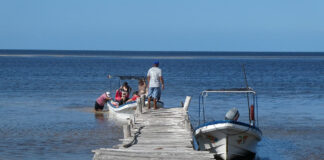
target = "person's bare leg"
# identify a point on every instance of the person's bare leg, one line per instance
(149, 103)
(154, 100)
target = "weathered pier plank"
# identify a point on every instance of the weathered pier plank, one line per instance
(164, 134)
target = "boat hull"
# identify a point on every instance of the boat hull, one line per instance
(129, 108)
(228, 140)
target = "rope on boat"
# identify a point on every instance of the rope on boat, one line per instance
(134, 141)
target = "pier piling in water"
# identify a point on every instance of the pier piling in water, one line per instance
(139, 106)
(127, 131)
(187, 103)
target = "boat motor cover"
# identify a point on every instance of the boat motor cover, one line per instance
(233, 114)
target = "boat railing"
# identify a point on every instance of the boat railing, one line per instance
(231, 90)
(248, 91)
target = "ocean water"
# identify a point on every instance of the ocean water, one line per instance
(46, 98)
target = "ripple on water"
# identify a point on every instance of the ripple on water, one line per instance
(39, 138)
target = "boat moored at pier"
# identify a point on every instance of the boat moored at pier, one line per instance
(229, 139)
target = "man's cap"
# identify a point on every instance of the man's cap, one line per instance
(156, 62)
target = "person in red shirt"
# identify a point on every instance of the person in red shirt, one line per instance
(135, 96)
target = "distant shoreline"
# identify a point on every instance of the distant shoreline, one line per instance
(158, 54)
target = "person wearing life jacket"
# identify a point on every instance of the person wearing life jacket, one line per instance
(122, 94)
(101, 101)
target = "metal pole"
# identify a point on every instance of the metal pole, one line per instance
(199, 110)
(203, 101)
(247, 94)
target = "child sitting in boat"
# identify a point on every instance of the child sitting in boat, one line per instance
(100, 102)
(142, 89)
(135, 96)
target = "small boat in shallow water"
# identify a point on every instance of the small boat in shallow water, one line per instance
(129, 107)
(229, 139)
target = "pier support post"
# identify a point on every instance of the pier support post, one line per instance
(134, 122)
(142, 101)
(130, 122)
(186, 103)
(139, 105)
(127, 131)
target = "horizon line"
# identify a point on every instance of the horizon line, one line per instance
(93, 50)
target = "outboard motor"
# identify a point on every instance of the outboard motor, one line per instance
(232, 115)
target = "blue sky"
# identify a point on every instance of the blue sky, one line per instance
(168, 25)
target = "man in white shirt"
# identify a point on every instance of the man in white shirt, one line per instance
(154, 79)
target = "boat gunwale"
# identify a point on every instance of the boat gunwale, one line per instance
(230, 90)
(228, 121)
(126, 105)
(121, 107)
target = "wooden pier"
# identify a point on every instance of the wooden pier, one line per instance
(155, 134)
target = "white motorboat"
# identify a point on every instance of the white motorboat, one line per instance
(229, 139)
(127, 108)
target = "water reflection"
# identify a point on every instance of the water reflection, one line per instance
(100, 117)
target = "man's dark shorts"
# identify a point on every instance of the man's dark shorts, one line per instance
(98, 107)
